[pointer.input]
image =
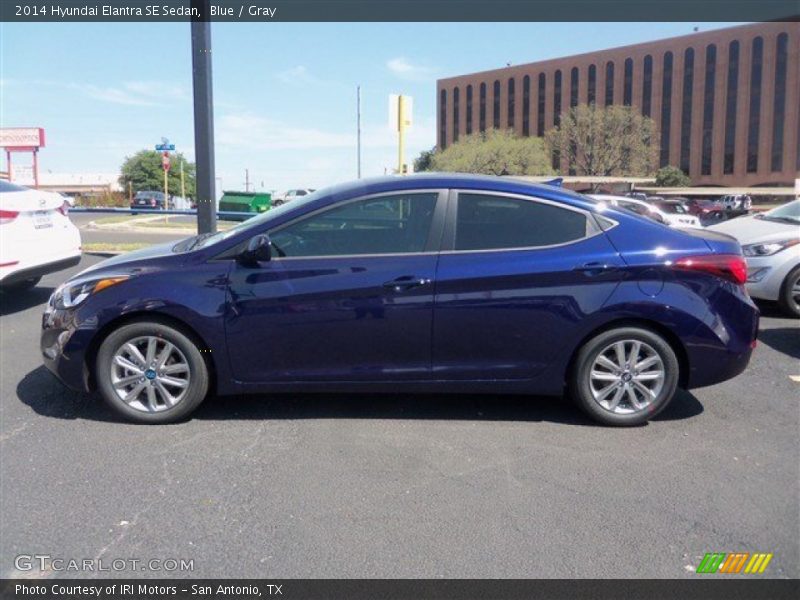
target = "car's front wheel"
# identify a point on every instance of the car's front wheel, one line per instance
(625, 376)
(150, 372)
(790, 293)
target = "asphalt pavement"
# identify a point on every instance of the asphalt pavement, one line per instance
(399, 486)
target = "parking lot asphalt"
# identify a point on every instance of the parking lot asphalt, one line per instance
(399, 486)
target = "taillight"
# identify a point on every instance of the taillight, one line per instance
(64, 208)
(6, 216)
(727, 266)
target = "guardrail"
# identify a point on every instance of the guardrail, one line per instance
(222, 214)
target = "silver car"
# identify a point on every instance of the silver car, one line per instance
(771, 245)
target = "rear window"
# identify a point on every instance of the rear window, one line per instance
(487, 222)
(6, 186)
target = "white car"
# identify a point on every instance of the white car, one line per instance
(36, 236)
(771, 246)
(290, 195)
(669, 212)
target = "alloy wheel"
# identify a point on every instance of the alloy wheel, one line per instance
(627, 376)
(150, 374)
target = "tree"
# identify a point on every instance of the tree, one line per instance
(495, 152)
(144, 172)
(670, 176)
(423, 161)
(613, 140)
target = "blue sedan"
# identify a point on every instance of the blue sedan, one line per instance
(429, 283)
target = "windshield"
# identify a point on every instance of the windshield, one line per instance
(788, 212)
(253, 222)
(672, 207)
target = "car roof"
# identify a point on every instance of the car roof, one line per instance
(487, 183)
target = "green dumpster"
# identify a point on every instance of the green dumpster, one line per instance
(252, 202)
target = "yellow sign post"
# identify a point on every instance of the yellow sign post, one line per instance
(400, 109)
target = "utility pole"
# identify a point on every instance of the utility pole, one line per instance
(203, 118)
(247, 180)
(401, 137)
(358, 118)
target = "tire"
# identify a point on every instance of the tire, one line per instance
(183, 363)
(277, 203)
(21, 286)
(595, 387)
(789, 300)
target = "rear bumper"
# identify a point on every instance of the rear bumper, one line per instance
(30, 272)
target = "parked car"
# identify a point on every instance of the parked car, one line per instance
(149, 199)
(736, 204)
(705, 210)
(658, 209)
(771, 245)
(426, 283)
(290, 195)
(637, 195)
(36, 236)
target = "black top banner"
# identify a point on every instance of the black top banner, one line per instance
(397, 10)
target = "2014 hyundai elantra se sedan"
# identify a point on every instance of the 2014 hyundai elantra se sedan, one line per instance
(434, 283)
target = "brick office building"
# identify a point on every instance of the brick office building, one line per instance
(726, 102)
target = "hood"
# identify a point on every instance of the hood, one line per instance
(132, 259)
(752, 230)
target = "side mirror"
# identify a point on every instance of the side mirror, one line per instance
(258, 250)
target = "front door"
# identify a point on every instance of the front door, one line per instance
(347, 296)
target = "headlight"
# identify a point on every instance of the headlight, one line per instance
(72, 293)
(768, 248)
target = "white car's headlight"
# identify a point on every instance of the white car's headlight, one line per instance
(768, 248)
(72, 293)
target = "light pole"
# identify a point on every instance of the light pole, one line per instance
(358, 126)
(203, 118)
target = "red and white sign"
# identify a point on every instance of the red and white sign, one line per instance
(165, 161)
(14, 138)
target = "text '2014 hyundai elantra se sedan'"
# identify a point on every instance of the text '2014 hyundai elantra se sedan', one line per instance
(434, 283)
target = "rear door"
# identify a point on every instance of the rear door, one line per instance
(517, 274)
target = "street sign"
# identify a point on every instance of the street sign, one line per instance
(165, 161)
(165, 147)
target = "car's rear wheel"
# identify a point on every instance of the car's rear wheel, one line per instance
(790, 293)
(149, 372)
(625, 376)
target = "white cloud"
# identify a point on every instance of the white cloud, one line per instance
(298, 74)
(404, 69)
(252, 131)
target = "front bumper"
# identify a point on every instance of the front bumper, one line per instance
(65, 343)
(765, 274)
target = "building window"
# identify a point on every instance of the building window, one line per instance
(666, 108)
(496, 106)
(779, 108)
(573, 87)
(456, 98)
(469, 109)
(443, 119)
(627, 91)
(557, 98)
(482, 109)
(708, 108)
(755, 104)
(540, 106)
(526, 105)
(731, 92)
(511, 100)
(609, 83)
(686, 110)
(647, 85)
(591, 87)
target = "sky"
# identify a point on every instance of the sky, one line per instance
(284, 93)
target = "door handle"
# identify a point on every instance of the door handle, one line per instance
(406, 282)
(595, 268)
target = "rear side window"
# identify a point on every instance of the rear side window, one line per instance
(488, 222)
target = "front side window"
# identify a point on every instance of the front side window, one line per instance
(397, 224)
(486, 222)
